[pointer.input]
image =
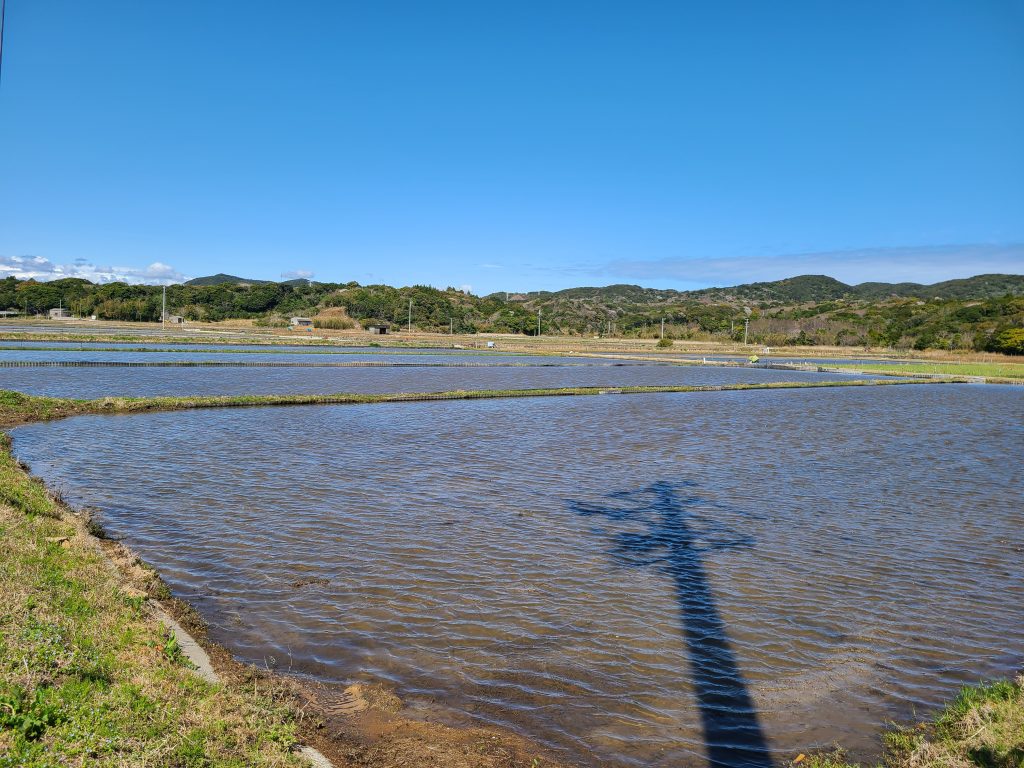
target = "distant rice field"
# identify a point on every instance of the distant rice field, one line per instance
(989, 370)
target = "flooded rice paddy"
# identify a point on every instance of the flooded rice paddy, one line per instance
(645, 580)
(91, 382)
(291, 357)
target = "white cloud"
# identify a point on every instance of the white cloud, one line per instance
(466, 288)
(39, 268)
(296, 274)
(921, 264)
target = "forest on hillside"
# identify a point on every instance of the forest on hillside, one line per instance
(985, 315)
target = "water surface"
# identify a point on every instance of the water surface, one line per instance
(137, 382)
(632, 580)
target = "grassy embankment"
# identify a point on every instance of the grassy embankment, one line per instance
(983, 727)
(990, 371)
(87, 676)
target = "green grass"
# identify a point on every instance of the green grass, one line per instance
(18, 489)
(983, 727)
(87, 677)
(988, 370)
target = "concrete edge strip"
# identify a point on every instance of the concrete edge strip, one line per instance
(315, 757)
(194, 652)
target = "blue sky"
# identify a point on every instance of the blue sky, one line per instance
(512, 145)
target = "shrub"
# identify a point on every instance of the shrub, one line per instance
(335, 318)
(334, 323)
(1009, 342)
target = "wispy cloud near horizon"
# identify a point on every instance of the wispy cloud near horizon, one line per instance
(917, 264)
(42, 269)
(297, 274)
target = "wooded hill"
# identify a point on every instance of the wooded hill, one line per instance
(985, 312)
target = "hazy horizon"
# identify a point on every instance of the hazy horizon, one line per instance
(43, 275)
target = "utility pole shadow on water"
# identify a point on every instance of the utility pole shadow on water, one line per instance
(674, 537)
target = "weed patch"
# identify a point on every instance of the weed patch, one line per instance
(982, 727)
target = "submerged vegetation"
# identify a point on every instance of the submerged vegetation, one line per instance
(983, 726)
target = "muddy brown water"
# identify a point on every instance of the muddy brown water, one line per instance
(643, 580)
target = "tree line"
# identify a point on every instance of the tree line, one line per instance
(987, 324)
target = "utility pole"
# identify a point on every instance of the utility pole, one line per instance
(3, 8)
(410, 315)
(163, 311)
(451, 326)
(663, 327)
(746, 327)
(538, 322)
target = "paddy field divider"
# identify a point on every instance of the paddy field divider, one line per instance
(19, 408)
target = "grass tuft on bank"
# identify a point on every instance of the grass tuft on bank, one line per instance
(88, 677)
(983, 727)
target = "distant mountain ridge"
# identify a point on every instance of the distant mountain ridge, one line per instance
(220, 279)
(805, 288)
(795, 290)
(792, 290)
(224, 279)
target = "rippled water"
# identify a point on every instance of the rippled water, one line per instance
(100, 382)
(632, 580)
(214, 344)
(153, 355)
